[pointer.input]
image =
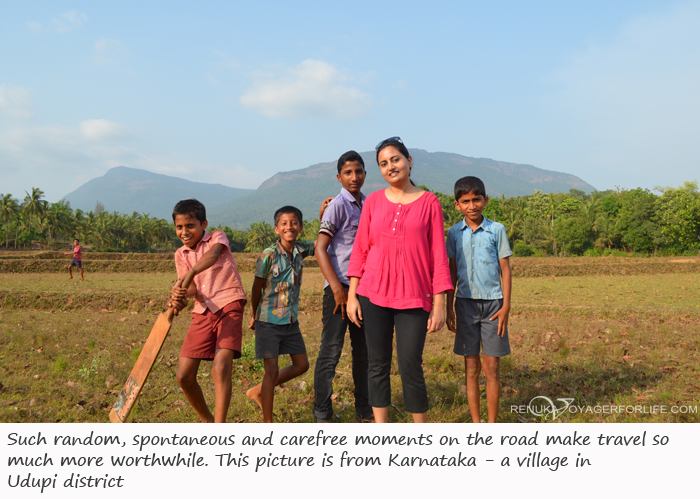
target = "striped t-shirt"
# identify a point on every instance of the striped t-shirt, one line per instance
(279, 302)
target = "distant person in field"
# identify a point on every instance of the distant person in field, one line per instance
(399, 275)
(479, 256)
(339, 222)
(77, 260)
(275, 300)
(216, 331)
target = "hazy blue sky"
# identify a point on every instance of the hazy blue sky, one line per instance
(233, 92)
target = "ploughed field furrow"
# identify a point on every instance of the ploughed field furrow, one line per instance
(59, 255)
(39, 266)
(522, 267)
(96, 301)
(52, 261)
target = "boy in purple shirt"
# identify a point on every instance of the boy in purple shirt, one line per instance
(335, 239)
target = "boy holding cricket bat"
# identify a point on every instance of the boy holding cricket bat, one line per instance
(216, 331)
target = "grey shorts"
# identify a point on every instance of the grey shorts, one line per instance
(273, 340)
(474, 328)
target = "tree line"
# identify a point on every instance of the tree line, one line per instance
(612, 222)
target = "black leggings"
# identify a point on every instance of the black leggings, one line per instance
(411, 328)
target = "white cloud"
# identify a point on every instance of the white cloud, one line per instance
(101, 130)
(108, 51)
(15, 101)
(68, 21)
(636, 100)
(311, 89)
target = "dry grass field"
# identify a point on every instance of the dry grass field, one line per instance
(603, 331)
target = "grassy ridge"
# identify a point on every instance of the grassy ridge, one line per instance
(54, 261)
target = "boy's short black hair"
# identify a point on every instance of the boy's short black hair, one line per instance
(190, 207)
(350, 156)
(289, 209)
(465, 185)
(76, 239)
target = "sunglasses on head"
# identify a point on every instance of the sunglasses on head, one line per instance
(387, 141)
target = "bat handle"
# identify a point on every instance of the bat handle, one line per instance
(187, 280)
(184, 283)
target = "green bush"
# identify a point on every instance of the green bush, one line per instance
(522, 249)
(614, 252)
(593, 252)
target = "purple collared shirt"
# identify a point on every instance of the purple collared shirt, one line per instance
(340, 222)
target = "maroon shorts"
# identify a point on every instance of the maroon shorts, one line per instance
(210, 331)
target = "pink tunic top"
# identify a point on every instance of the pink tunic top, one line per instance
(220, 284)
(399, 252)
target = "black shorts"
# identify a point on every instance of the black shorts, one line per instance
(273, 340)
(474, 329)
(76, 263)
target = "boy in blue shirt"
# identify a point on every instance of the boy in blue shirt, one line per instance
(479, 255)
(275, 300)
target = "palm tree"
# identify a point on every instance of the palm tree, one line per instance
(58, 221)
(311, 230)
(260, 236)
(33, 205)
(452, 216)
(512, 224)
(88, 226)
(9, 210)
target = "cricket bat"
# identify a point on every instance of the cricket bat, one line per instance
(132, 388)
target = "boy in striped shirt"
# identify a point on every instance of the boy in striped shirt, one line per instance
(275, 300)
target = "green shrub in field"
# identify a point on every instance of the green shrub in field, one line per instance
(60, 365)
(87, 371)
(91, 344)
(248, 357)
(520, 248)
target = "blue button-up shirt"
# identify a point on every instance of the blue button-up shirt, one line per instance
(477, 254)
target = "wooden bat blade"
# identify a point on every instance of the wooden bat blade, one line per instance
(132, 388)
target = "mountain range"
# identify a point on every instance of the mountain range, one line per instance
(128, 189)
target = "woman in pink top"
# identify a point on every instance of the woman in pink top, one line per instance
(398, 278)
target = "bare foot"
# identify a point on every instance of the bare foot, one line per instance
(255, 394)
(71, 277)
